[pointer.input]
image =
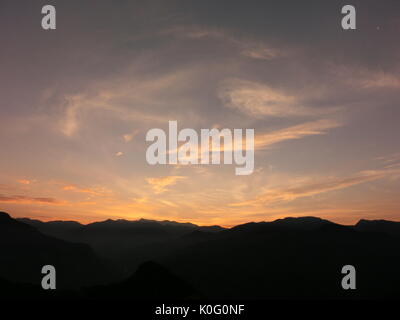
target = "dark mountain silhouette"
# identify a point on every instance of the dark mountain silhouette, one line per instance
(197, 236)
(116, 228)
(65, 230)
(12, 290)
(382, 226)
(24, 251)
(150, 281)
(303, 223)
(127, 243)
(26, 291)
(291, 258)
(117, 232)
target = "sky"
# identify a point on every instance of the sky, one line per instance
(76, 104)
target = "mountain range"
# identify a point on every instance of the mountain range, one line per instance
(291, 258)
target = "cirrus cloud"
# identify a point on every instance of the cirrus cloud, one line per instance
(21, 199)
(160, 185)
(313, 187)
(260, 100)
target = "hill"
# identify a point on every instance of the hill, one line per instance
(291, 258)
(24, 251)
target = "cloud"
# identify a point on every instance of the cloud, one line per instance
(265, 140)
(24, 181)
(160, 185)
(20, 199)
(91, 191)
(195, 32)
(365, 78)
(260, 53)
(381, 80)
(245, 46)
(119, 153)
(295, 132)
(259, 100)
(313, 187)
(70, 122)
(390, 161)
(129, 136)
(395, 157)
(128, 97)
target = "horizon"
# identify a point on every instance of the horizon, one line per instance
(199, 225)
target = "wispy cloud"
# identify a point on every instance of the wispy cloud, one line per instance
(381, 80)
(318, 127)
(314, 187)
(129, 136)
(395, 157)
(24, 181)
(21, 199)
(129, 98)
(160, 185)
(245, 46)
(260, 100)
(367, 79)
(91, 191)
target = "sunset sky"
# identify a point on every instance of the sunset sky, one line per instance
(76, 104)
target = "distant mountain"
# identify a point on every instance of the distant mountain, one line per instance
(127, 243)
(117, 230)
(383, 226)
(197, 236)
(290, 259)
(150, 281)
(10, 290)
(65, 230)
(26, 291)
(302, 223)
(24, 251)
(286, 224)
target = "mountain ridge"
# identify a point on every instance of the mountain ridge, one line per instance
(281, 259)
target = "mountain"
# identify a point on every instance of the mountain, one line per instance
(60, 229)
(24, 251)
(382, 226)
(302, 223)
(150, 281)
(26, 291)
(126, 243)
(290, 259)
(117, 232)
(286, 224)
